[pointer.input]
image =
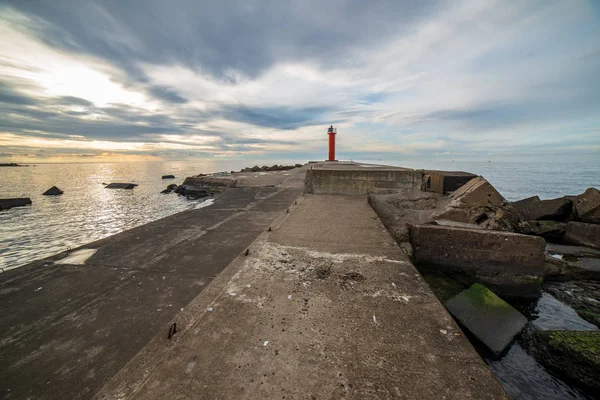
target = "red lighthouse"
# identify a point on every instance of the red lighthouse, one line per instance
(331, 132)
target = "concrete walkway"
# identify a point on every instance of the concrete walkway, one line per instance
(67, 329)
(325, 306)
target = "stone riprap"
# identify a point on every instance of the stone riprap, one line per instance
(587, 206)
(583, 234)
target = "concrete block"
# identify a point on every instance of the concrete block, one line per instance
(5, 204)
(525, 202)
(444, 182)
(120, 186)
(551, 231)
(492, 320)
(478, 202)
(556, 209)
(509, 263)
(587, 206)
(53, 191)
(583, 234)
(210, 182)
(359, 181)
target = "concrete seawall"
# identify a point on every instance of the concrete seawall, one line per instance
(360, 180)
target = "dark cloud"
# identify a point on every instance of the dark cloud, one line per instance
(215, 36)
(166, 94)
(276, 117)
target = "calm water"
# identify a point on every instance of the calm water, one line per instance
(88, 212)
(516, 181)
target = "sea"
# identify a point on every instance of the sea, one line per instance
(87, 211)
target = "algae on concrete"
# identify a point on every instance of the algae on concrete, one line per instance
(492, 320)
(573, 354)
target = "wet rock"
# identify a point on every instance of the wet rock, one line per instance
(53, 191)
(170, 188)
(587, 206)
(556, 209)
(574, 355)
(478, 202)
(508, 263)
(583, 296)
(195, 193)
(5, 204)
(117, 185)
(551, 231)
(583, 234)
(168, 177)
(493, 321)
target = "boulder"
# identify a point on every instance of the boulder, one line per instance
(525, 202)
(559, 209)
(117, 185)
(168, 177)
(551, 231)
(580, 233)
(193, 192)
(574, 355)
(587, 206)
(492, 320)
(53, 191)
(444, 182)
(478, 202)
(5, 204)
(509, 263)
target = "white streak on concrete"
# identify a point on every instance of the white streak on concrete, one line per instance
(77, 257)
(208, 309)
(266, 343)
(374, 318)
(205, 203)
(443, 331)
(38, 289)
(289, 297)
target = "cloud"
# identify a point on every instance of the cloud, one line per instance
(403, 78)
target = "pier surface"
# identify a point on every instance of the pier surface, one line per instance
(325, 305)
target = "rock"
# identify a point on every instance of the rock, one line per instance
(508, 263)
(551, 231)
(172, 186)
(444, 182)
(168, 177)
(582, 296)
(117, 185)
(493, 321)
(53, 191)
(556, 209)
(574, 355)
(478, 202)
(298, 166)
(5, 204)
(583, 234)
(525, 202)
(587, 206)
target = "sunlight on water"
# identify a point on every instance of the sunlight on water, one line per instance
(87, 211)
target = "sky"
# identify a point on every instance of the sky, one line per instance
(412, 79)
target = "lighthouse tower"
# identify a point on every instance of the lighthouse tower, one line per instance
(331, 132)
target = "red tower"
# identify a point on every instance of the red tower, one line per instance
(331, 132)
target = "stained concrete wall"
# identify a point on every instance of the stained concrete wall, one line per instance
(446, 181)
(353, 181)
(508, 263)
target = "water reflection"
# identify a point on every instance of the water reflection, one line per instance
(87, 211)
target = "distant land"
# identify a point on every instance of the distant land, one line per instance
(12, 165)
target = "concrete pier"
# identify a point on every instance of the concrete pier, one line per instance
(324, 305)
